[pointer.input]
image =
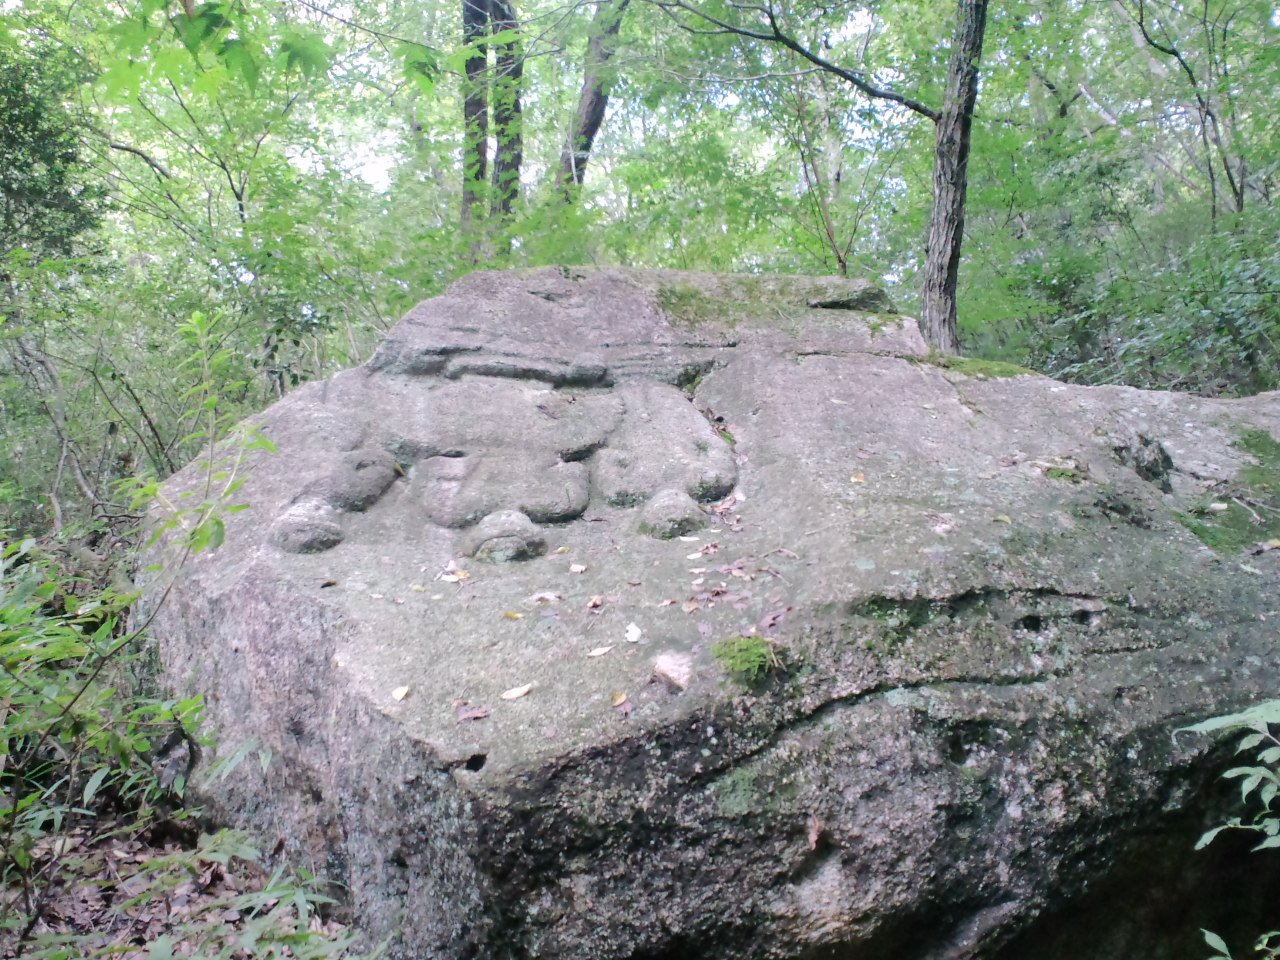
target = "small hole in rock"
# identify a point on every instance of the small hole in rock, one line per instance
(1083, 617)
(475, 762)
(1031, 622)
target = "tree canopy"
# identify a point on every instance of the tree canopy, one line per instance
(1096, 182)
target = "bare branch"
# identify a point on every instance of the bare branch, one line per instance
(858, 80)
(153, 163)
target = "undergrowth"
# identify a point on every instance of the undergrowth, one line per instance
(100, 856)
(1259, 778)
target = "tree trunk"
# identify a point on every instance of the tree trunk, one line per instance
(593, 99)
(475, 114)
(950, 178)
(507, 131)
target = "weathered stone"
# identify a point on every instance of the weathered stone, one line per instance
(979, 606)
(504, 536)
(672, 513)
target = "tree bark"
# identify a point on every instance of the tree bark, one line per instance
(507, 118)
(593, 99)
(950, 178)
(475, 113)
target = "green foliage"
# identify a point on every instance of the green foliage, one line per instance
(89, 752)
(1259, 786)
(47, 199)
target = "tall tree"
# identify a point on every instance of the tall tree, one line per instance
(593, 99)
(953, 122)
(951, 177)
(491, 95)
(475, 111)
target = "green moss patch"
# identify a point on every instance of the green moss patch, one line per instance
(688, 305)
(1069, 474)
(972, 367)
(1240, 514)
(751, 660)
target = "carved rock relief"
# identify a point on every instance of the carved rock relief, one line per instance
(498, 460)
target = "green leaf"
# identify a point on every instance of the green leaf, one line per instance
(95, 782)
(1215, 942)
(1208, 836)
(305, 52)
(1249, 742)
(236, 55)
(1262, 713)
(421, 66)
(218, 535)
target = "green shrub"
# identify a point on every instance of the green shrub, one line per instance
(1259, 785)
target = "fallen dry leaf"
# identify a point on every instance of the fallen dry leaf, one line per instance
(399, 693)
(1001, 518)
(598, 651)
(858, 478)
(467, 712)
(376, 596)
(690, 606)
(815, 831)
(546, 596)
(666, 603)
(515, 693)
(512, 615)
(417, 588)
(773, 618)
(595, 602)
(577, 568)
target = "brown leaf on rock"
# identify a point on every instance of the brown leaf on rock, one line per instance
(467, 712)
(515, 693)
(773, 618)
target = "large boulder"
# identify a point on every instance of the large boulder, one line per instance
(636, 614)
